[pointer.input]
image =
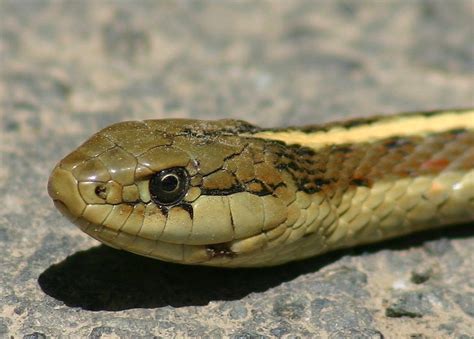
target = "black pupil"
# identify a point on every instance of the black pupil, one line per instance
(169, 186)
(169, 183)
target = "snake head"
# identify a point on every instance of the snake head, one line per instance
(186, 191)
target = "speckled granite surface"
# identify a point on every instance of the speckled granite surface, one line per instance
(69, 68)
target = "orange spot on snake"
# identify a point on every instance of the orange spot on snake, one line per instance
(435, 165)
(437, 187)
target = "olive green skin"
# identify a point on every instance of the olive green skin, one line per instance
(251, 200)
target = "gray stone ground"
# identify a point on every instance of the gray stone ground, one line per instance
(69, 68)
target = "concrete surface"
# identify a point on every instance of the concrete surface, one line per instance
(71, 67)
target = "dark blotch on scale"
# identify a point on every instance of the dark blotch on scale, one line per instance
(301, 150)
(320, 182)
(341, 149)
(360, 182)
(220, 251)
(397, 142)
(227, 191)
(188, 208)
(457, 131)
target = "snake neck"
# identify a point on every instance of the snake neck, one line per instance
(385, 183)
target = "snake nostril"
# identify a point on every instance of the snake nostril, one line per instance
(101, 191)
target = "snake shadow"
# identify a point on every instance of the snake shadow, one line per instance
(102, 278)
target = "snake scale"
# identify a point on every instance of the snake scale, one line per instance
(228, 193)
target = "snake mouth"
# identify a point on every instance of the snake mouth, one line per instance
(178, 253)
(212, 255)
(235, 253)
(215, 255)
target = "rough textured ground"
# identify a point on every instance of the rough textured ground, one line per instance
(69, 68)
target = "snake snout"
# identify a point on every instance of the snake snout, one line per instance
(64, 190)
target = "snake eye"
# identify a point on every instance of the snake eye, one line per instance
(169, 186)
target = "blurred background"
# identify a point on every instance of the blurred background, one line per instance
(273, 62)
(69, 68)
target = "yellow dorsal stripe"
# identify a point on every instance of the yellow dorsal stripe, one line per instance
(404, 125)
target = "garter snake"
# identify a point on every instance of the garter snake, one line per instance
(228, 193)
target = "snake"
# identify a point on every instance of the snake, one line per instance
(229, 193)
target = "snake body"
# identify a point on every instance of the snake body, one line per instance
(228, 193)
